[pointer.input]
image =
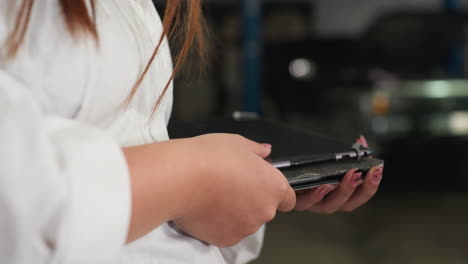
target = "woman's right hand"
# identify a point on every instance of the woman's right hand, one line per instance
(217, 187)
(238, 192)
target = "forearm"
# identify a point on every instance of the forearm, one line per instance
(162, 180)
(216, 187)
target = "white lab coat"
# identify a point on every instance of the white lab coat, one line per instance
(64, 183)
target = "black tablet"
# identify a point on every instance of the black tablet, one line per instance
(290, 144)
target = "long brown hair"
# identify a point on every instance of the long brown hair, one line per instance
(182, 23)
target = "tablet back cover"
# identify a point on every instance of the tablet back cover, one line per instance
(288, 142)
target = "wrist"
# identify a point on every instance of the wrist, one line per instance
(166, 183)
(192, 177)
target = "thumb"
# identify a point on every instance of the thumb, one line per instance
(262, 150)
(289, 201)
(362, 140)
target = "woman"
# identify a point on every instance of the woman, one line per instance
(86, 178)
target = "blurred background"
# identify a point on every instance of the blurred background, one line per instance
(395, 71)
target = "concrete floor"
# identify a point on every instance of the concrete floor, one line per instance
(392, 228)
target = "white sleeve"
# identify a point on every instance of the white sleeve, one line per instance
(247, 250)
(64, 186)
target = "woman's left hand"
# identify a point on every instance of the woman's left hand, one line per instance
(350, 194)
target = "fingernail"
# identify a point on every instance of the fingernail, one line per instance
(377, 177)
(266, 145)
(325, 190)
(364, 141)
(356, 179)
(356, 184)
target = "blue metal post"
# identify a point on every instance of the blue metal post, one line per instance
(252, 43)
(456, 61)
(451, 5)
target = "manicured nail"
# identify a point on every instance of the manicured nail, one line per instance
(379, 169)
(377, 177)
(356, 184)
(266, 145)
(325, 190)
(356, 180)
(364, 141)
(356, 177)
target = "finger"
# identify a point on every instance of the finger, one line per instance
(366, 191)
(338, 198)
(359, 141)
(362, 140)
(289, 199)
(310, 198)
(262, 150)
